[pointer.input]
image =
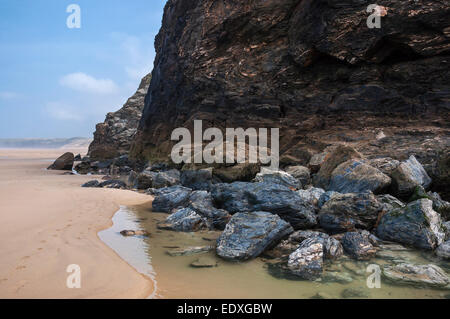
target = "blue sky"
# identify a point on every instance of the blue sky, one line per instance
(60, 82)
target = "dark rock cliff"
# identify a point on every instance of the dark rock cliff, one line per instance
(310, 67)
(113, 137)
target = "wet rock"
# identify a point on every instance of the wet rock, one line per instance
(131, 233)
(346, 212)
(357, 177)
(340, 155)
(190, 251)
(321, 295)
(83, 168)
(277, 177)
(301, 173)
(247, 235)
(386, 165)
(145, 180)
(169, 198)
(311, 195)
(417, 275)
(443, 250)
(340, 277)
(407, 176)
(132, 177)
(358, 246)
(197, 179)
(244, 172)
(91, 184)
(269, 197)
(415, 225)
(202, 203)
(204, 262)
(355, 268)
(114, 184)
(63, 163)
(307, 261)
(166, 179)
(184, 220)
(354, 293)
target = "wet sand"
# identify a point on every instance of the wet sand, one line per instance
(49, 222)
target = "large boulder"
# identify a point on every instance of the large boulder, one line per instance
(407, 176)
(341, 154)
(185, 220)
(301, 173)
(247, 235)
(415, 225)
(244, 172)
(269, 197)
(277, 177)
(169, 198)
(430, 276)
(307, 261)
(443, 250)
(166, 179)
(355, 176)
(144, 180)
(358, 246)
(63, 163)
(201, 202)
(311, 195)
(348, 212)
(197, 179)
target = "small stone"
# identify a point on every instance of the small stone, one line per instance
(204, 262)
(190, 251)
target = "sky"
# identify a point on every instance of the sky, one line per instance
(57, 81)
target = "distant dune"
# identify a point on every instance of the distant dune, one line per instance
(42, 143)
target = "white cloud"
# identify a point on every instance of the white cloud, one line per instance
(61, 111)
(5, 95)
(85, 83)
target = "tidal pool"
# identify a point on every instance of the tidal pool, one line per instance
(174, 277)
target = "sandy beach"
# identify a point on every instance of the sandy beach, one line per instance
(49, 222)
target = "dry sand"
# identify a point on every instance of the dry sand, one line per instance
(47, 222)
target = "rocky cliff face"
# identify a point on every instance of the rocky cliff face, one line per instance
(113, 137)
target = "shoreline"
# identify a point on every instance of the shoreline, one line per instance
(50, 222)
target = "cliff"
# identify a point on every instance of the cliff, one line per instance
(113, 137)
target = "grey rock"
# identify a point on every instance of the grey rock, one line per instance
(132, 177)
(447, 229)
(166, 179)
(185, 220)
(189, 251)
(443, 250)
(201, 202)
(91, 184)
(439, 205)
(415, 225)
(408, 175)
(355, 176)
(358, 246)
(386, 165)
(417, 275)
(346, 212)
(169, 198)
(197, 179)
(301, 173)
(307, 261)
(277, 177)
(311, 195)
(247, 235)
(269, 197)
(113, 183)
(145, 180)
(325, 197)
(77, 158)
(63, 163)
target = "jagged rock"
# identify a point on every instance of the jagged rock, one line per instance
(307, 261)
(189, 251)
(358, 246)
(201, 202)
(277, 177)
(301, 173)
(185, 220)
(357, 177)
(63, 163)
(91, 184)
(316, 162)
(346, 212)
(197, 179)
(325, 197)
(311, 195)
(390, 202)
(269, 197)
(145, 180)
(244, 172)
(113, 183)
(417, 275)
(166, 179)
(439, 205)
(83, 168)
(407, 176)
(132, 178)
(340, 155)
(77, 158)
(169, 198)
(247, 235)
(416, 225)
(113, 137)
(386, 164)
(447, 229)
(443, 250)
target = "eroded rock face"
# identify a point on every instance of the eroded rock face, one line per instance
(247, 235)
(416, 225)
(303, 66)
(113, 137)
